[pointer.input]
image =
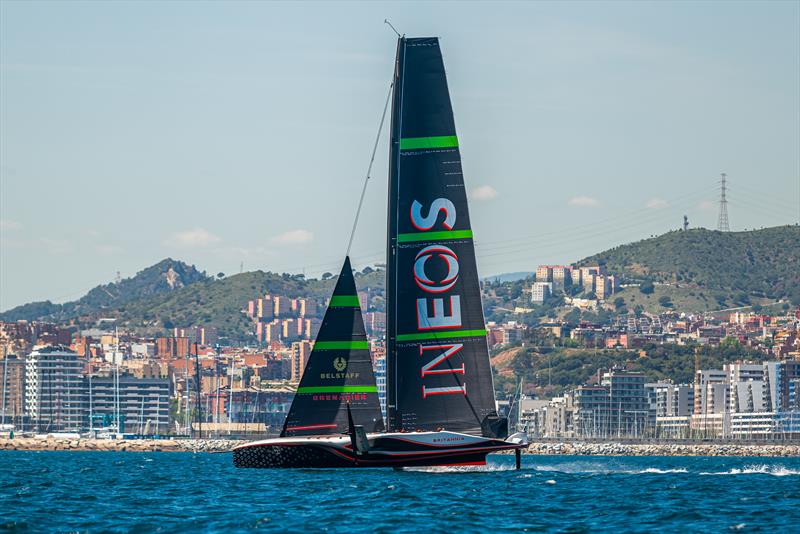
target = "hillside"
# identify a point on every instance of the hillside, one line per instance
(705, 270)
(219, 303)
(552, 370)
(165, 276)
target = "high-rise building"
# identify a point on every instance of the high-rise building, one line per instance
(54, 394)
(379, 364)
(629, 410)
(604, 286)
(301, 351)
(747, 388)
(673, 400)
(710, 392)
(562, 277)
(544, 273)
(540, 291)
(282, 306)
(307, 308)
(266, 308)
(13, 368)
(363, 300)
(591, 411)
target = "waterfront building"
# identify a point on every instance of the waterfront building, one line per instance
(748, 392)
(674, 400)
(591, 417)
(54, 395)
(12, 395)
(142, 403)
(676, 426)
(752, 425)
(379, 365)
(710, 392)
(629, 410)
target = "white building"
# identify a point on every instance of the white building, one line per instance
(54, 393)
(540, 291)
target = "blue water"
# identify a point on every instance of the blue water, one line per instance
(147, 492)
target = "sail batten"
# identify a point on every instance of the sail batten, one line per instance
(338, 372)
(437, 356)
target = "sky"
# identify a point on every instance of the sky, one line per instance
(237, 135)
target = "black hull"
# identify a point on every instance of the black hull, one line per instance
(386, 451)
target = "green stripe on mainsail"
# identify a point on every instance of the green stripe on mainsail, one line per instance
(441, 141)
(344, 301)
(339, 389)
(434, 236)
(441, 335)
(338, 345)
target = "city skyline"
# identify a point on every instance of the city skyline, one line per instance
(213, 136)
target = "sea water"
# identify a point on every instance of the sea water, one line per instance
(169, 492)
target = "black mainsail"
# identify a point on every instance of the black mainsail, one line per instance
(437, 356)
(338, 372)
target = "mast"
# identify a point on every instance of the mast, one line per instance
(391, 277)
(197, 388)
(186, 417)
(437, 356)
(91, 408)
(230, 395)
(5, 381)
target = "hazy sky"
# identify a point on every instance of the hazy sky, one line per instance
(240, 132)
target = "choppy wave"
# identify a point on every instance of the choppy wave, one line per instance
(488, 468)
(603, 469)
(761, 469)
(585, 494)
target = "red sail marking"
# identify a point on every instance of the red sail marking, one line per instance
(309, 427)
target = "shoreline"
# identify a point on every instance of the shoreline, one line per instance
(612, 448)
(119, 445)
(565, 448)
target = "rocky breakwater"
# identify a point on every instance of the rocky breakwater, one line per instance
(582, 448)
(118, 445)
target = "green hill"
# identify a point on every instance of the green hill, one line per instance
(220, 303)
(705, 270)
(165, 276)
(696, 270)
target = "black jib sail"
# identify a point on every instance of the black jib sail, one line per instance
(338, 372)
(438, 361)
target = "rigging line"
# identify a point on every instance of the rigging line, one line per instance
(369, 168)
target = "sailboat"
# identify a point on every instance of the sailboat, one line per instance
(440, 394)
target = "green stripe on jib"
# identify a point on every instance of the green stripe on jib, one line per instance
(339, 389)
(434, 236)
(441, 335)
(344, 301)
(341, 345)
(416, 143)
